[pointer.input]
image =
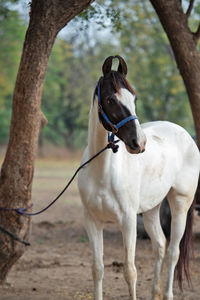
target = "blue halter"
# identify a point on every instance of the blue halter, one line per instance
(114, 127)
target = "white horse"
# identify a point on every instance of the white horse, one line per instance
(116, 187)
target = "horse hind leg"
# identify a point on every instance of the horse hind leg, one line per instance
(153, 227)
(179, 206)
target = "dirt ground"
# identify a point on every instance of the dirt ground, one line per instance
(57, 264)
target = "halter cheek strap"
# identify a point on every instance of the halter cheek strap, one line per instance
(114, 127)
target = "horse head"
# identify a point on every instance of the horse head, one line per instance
(117, 106)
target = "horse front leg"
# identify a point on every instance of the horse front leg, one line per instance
(128, 228)
(95, 233)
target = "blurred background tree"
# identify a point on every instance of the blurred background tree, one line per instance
(75, 66)
(12, 31)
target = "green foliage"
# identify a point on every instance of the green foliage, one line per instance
(5, 8)
(194, 17)
(12, 32)
(104, 13)
(65, 96)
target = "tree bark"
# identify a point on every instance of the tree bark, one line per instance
(184, 45)
(47, 18)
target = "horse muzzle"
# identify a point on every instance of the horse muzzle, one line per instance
(136, 148)
(134, 151)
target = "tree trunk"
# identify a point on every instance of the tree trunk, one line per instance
(46, 19)
(184, 45)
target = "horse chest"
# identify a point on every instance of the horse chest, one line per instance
(101, 203)
(109, 199)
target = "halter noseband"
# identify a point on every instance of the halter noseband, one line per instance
(114, 127)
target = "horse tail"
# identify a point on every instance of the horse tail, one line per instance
(186, 247)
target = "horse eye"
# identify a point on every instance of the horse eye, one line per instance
(110, 100)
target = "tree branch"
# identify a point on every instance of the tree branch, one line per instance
(43, 120)
(190, 7)
(67, 10)
(197, 34)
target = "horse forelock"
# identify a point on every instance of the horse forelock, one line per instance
(117, 81)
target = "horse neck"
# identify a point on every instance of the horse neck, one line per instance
(97, 140)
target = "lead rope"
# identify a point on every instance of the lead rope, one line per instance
(112, 145)
(23, 211)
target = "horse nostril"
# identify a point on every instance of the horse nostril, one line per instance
(135, 144)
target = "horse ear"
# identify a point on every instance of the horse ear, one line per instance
(107, 65)
(122, 68)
